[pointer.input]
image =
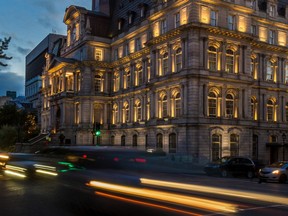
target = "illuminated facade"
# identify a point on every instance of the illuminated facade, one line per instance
(199, 78)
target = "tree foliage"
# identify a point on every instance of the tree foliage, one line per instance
(24, 123)
(4, 46)
(8, 137)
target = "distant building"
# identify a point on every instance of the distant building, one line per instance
(11, 94)
(35, 62)
(4, 100)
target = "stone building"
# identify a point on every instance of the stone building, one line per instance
(201, 78)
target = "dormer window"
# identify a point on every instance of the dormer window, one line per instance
(143, 9)
(272, 10)
(120, 24)
(130, 17)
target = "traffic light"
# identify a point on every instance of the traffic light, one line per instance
(97, 129)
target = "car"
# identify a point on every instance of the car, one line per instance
(277, 171)
(226, 166)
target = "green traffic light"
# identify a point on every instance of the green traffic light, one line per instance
(98, 133)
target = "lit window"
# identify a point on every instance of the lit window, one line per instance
(138, 111)
(115, 114)
(286, 73)
(229, 100)
(77, 33)
(253, 67)
(231, 22)
(213, 18)
(229, 61)
(125, 112)
(68, 38)
(98, 55)
(234, 145)
(253, 109)
(116, 82)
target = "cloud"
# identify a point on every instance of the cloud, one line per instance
(10, 81)
(23, 51)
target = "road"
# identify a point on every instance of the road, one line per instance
(154, 194)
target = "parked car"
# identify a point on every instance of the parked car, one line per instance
(226, 166)
(277, 171)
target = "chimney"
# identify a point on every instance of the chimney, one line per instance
(101, 6)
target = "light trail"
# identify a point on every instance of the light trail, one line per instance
(208, 205)
(146, 204)
(213, 190)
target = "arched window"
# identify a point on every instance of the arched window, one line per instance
(116, 81)
(163, 106)
(253, 108)
(138, 111)
(138, 76)
(165, 63)
(125, 112)
(123, 140)
(271, 110)
(112, 140)
(212, 58)
(234, 145)
(229, 61)
(216, 147)
(178, 59)
(159, 144)
(176, 105)
(115, 118)
(98, 83)
(229, 111)
(134, 142)
(127, 79)
(212, 104)
(172, 143)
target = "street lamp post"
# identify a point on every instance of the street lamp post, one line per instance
(283, 145)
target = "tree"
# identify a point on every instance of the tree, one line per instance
(8, 137)
(4, 46)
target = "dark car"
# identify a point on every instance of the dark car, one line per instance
(226, 166)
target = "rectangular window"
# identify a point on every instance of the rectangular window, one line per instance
(272, 10)
(98, 54)
(271, 37)
(213, 18)
(231, 22)
(177, 19)
(137, 44)
(286, 74)
(116, 54)
(253, 30)
(163, 26)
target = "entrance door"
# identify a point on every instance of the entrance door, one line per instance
(273, 154)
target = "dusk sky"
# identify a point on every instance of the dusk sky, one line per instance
(28, 22)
